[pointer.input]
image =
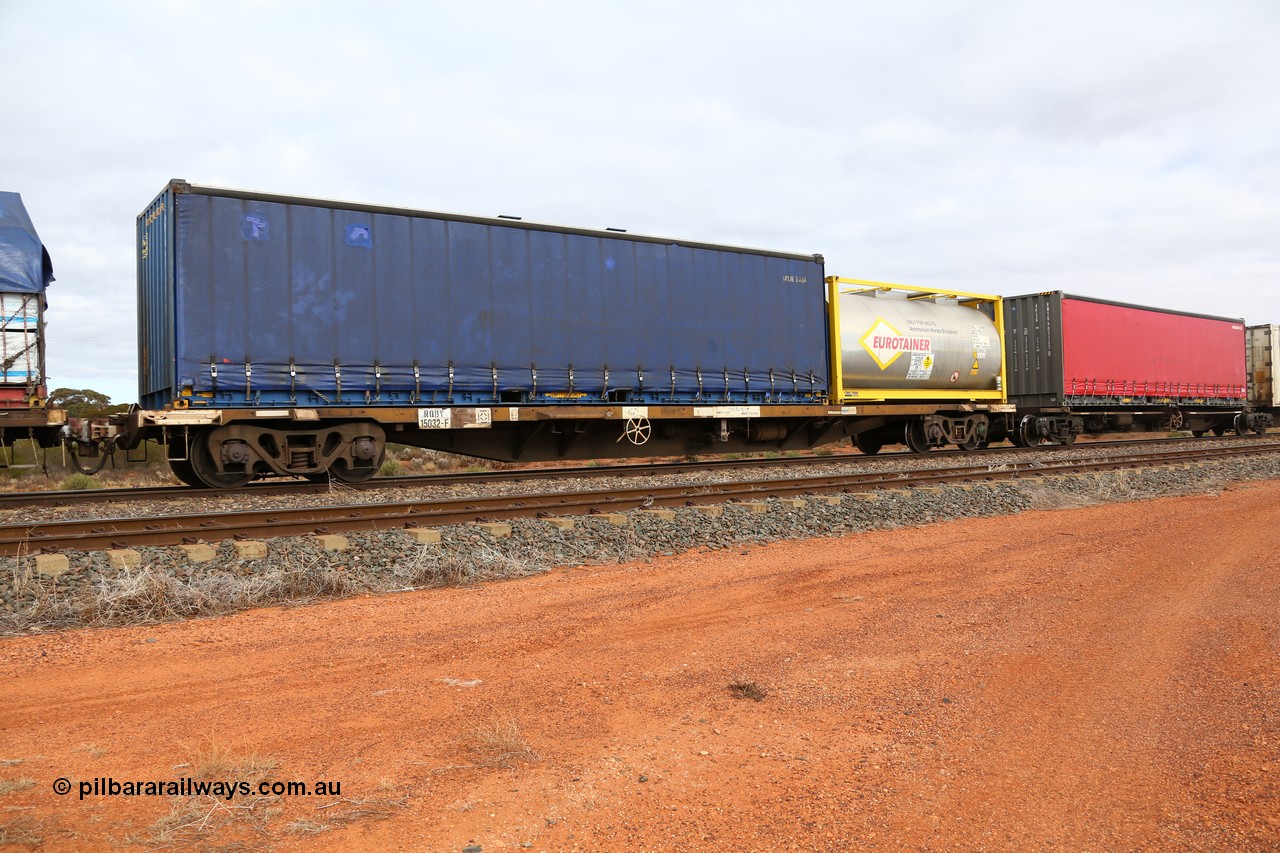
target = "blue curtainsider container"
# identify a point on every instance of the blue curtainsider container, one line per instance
(251, 300)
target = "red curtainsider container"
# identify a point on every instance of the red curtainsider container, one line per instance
(1076, 351)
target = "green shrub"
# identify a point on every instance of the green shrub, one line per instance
(79, 482)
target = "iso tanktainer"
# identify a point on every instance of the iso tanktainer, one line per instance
(252, 300)
(1064, 350)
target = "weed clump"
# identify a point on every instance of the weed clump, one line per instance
(499, 743)
(79, 483)
(742, 688)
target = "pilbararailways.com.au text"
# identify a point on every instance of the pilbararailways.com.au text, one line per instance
(106, 786)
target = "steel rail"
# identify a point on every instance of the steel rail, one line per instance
(638, 469)
(93, 534)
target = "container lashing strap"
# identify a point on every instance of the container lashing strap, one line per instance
(293, 381)
(673, 384)
(213, 375)
(571, 381)
(533, 371)
(604, 394)
(377, 381)
(640, 378)
(771, 397)
(493, 369)
(746, 382)
(248, 380)
(726, 385)
(795, 388)
(337, 380)
(698, 370)
(417, 383)
(449, 398)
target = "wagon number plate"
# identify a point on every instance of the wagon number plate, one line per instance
(455, 418)
(435, 418)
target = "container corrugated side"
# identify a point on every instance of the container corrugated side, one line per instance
(1033, 348)
(282, 301)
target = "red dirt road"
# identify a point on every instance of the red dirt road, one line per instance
(1091, 679)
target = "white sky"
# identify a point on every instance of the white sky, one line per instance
(1127, 150)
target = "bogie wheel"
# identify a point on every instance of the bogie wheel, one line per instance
(1027, 433)
(346, 474)
(1219, 431)
(980, 441)
(1068, 439)
(182, 469)
(206, 471)
(915, 437)
(867, 443)
(1197, 433)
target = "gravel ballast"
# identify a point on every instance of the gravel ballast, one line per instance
(167, 585)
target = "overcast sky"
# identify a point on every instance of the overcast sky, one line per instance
(1127, 150)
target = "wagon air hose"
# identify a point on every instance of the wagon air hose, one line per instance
(73, 443)
(90, 470)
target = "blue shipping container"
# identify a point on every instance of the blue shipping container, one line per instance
(251, 300)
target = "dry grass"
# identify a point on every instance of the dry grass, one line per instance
(148, 596)
(245, 822)
(434, 567)
(196, 821)
(215, 761)
(744, 688)
(22, 832)
(499, 743)
(12, 786)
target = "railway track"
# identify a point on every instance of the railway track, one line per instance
(178, 529)
(643, 469)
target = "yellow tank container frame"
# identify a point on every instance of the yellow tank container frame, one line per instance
(912, 354)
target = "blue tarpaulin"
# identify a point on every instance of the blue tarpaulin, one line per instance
(257, 300)
(25, 266)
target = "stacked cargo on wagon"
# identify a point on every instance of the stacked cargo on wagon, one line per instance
(297, 336)
(25, 272)
(1079, 364)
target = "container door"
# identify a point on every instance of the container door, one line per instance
(155, 302)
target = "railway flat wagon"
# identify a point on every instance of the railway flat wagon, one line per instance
(1077, 364)
(297, 336)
